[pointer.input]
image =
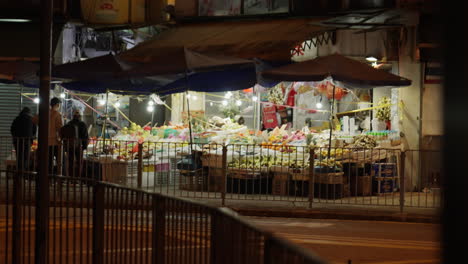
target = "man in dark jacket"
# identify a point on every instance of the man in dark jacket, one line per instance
(75, 139)
(23, 131)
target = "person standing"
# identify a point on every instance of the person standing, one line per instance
(23, 131)
(55, 124)
(75, 139)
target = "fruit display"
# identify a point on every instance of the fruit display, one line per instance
(364, 141)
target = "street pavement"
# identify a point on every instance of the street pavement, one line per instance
(359, 242)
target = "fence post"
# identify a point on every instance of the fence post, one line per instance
(17, 207)
(159, 227)
(267, 258)
(140, 165)
(402, 180)
(224, 181)
(98, 224)
(311, 176)
(214, 245)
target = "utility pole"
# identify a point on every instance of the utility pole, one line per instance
(42, 183)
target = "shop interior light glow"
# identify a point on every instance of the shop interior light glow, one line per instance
(371, 59)
(62, 95)
(239, 102)
(228, 95)
(194, 97)
(117, 104)
(36, 100)
(211, 103)
(15, 20)
(254, 98)
(101, 102)
(151, 103)
(188, 96)
(150, 108)
(225, 102)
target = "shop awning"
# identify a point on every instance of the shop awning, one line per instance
(264, 39)
(337, 67)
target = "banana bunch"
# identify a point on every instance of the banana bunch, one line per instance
(330, 163)
(252, 162)
(364, 141)
(334, 152)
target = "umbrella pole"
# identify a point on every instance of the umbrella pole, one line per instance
(331, 122)
(188, 111)
(104, 127)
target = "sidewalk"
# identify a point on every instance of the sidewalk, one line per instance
(329, 211)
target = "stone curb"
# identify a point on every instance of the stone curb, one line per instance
(339, 215)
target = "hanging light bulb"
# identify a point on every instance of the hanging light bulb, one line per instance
(211, 103)
(151, 103)
(254, 98)
(228, 95)
(36, 100)
(238, 102)
(101, 102)
(188, 96)
(319, 104)
(117, 104)
(150, 108)
(62, 95)
(225, 102)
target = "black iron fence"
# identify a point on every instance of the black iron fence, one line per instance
(96, 222)
(264, 172)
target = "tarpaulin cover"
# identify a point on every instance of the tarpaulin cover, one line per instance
(183, 60)
(337, 67)
(264, 39)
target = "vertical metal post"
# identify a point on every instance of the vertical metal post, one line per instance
(402, 180)
(311, 176)
(42, 185)
(98, 224)
(224, 180)
(17, 209)
(140, 165)
(159, 229)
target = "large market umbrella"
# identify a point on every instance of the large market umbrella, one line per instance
(337, 68)
(97, 68)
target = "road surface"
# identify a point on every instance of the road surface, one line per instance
(361, 242)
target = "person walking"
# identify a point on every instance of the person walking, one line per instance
(75, 139)
(23, 131)
(55, 124)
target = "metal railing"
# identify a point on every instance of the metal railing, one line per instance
(261, 172)
(96, 222)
